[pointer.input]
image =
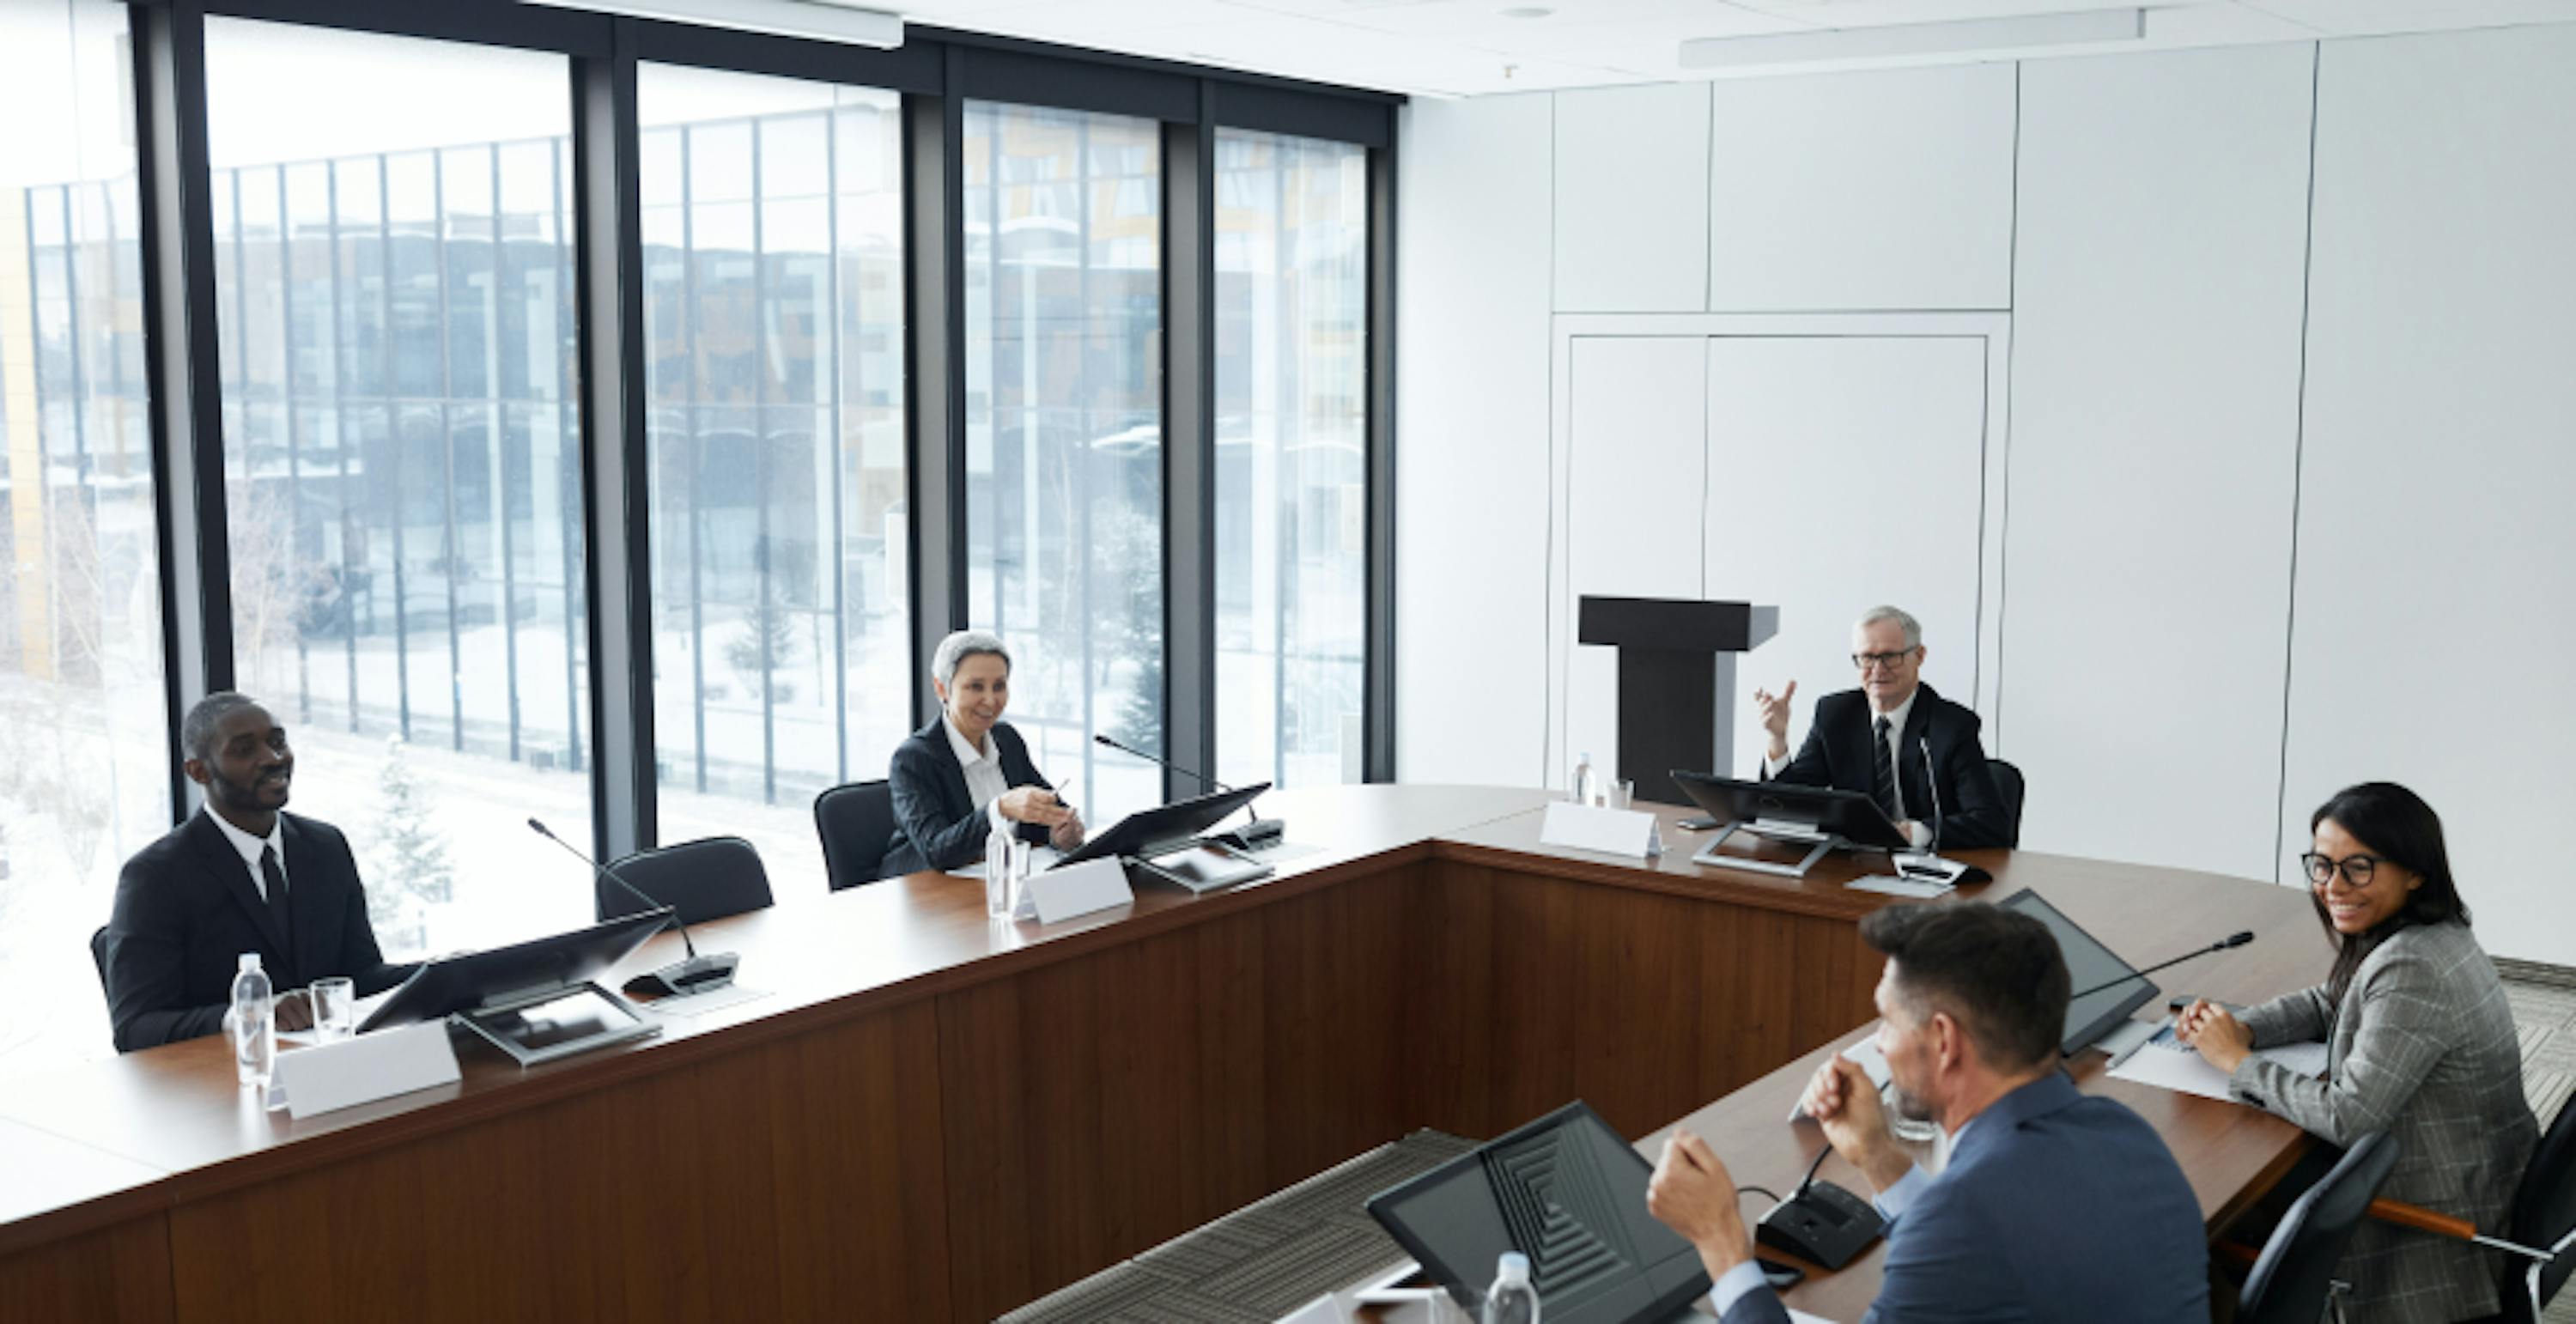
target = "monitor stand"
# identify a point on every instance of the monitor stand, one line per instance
(1823, 843)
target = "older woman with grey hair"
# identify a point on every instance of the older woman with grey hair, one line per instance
(968, 772)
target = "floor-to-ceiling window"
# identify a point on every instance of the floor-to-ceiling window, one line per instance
(774, 319)
(1064, 434)
(1291, 456)
(401, 458)
(83, 780)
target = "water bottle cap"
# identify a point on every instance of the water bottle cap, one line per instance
(1512, 1266)
(249, 961)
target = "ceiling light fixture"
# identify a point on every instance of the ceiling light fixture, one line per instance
(1957, 38)
(784, 18)
(1528, 11)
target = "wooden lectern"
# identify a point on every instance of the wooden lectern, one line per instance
(1676, 681)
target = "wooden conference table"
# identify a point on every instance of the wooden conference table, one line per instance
(934, 1116)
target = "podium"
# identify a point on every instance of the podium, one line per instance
(1676, 681)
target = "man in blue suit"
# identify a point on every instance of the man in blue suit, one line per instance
(2054, 1206)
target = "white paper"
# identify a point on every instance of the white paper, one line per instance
(1079, 889)
(2168, 1063)
(364, 1069)
(1918, 888)
(1802, 1317)
(1590, 827)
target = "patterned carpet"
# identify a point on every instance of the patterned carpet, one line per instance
(2546, 1015)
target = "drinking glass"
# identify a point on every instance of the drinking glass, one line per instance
(1623, 794)
(335, 1009)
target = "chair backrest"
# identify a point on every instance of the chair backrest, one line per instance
(98, 957)
(2009, 785)
(2291, 1277)
(702, 880)
(2544, 1212)
(856, 823)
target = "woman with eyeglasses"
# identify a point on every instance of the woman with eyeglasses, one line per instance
(2419, 1043)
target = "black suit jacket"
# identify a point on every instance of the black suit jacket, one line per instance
(1837, 754)
(936, 824)
(186, 911)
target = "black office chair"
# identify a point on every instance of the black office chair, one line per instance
(2008, 784)
(702, 880)
(856, 823)
(2540, 1226)
(2293, 1279)
(98, 957)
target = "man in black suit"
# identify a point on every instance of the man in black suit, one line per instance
(240, 876)
(1877, 740)
(968, 772)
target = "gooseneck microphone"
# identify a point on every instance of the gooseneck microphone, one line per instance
(1932, 779)
(2231, 940)
(696, 974)
(1254, 835)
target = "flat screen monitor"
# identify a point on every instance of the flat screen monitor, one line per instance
(1850, 815)
(2088, 963)
(562, 960)
(1152, 831)
(1568, 1192)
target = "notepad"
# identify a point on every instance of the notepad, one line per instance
(2168, 1063)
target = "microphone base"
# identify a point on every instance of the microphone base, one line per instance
(698, 974)
(1824, 1225)
(1259, 834)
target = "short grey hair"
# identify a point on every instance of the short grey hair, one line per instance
(956, 648)
(197, 729)
(1904, 621)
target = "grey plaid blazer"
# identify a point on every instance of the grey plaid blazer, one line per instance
(2422, 1047)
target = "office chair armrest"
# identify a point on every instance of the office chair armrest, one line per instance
(2423, 1220)
(2458, 1229)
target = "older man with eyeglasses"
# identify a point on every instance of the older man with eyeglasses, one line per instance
(1894, 740)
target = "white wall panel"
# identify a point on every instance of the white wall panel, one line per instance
(2154, 451)
(1472, 442)
(1844, 472)
(1878, 191)
(1636, 460)
(1631, 199)
(2436, 553)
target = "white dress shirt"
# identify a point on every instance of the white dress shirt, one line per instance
(250, 847)
(1919, 833)
(985, 784)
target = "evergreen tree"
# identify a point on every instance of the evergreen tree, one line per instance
(412, 872)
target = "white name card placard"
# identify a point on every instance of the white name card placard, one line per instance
(363, 1069)
(1078, 889)
(1591, 827)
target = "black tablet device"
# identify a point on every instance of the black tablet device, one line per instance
(1568, 1192)
(2088, 963)
(1153, 831)
(558, 961)
(1822, 810)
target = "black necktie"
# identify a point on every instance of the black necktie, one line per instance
(1882, 769)
(275, 878)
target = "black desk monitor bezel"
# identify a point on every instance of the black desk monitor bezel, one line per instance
(2087, 1018)
(561, 960)
(1665, 1278)
(1153, 831)
(1826, 810)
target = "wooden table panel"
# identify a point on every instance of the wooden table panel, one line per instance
(115, 1275)
(781, 1182)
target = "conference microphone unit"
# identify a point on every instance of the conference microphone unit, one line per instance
(2231, 940)
(1258, 833)
(1820, 1222)
(694, 974)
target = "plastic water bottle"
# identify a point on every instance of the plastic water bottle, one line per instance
(1587, 783)
(997, 872)
(253, 1022)
(1511, 1300)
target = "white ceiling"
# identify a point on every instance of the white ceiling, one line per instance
(1474, 48)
